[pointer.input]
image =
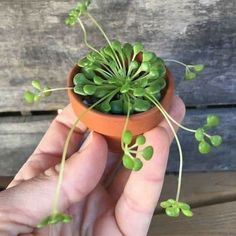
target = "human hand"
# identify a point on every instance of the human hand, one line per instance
(125, 207)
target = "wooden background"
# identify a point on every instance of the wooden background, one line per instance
(35, 44)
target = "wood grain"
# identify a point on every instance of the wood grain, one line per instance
(35, 44)
(201, 189)
(215, 220)
(20, 135)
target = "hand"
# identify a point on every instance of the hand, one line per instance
(125, 207)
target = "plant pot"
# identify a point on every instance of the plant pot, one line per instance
(111, 126)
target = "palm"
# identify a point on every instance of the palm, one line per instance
(122, 207)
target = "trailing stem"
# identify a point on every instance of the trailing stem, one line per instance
(152, 99)
(55, 212)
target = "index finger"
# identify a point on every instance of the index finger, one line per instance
(48, 152)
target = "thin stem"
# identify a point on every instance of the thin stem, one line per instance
(178, 62)
(174, 121)
(65, 149)
(85, 36)
(178, 124)
(91, 47)
(152, 99)
(56, 89)
(105, 36)
(126, 123)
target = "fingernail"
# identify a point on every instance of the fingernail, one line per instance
(87, 141)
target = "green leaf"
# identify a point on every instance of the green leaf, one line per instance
(88, 73)
(46, 91)
(105, 106)
(125, 88)
(140, 140)
(216, 140)
(128, 162)
(187, 213)
(137, 164)
(127, 137)
(137, 48)
(213, 120)
(116, 45)
(89, 89)
(171, 201)
(141, 105)
(37, 98)
(189, 75)
(199, 134)
(78, 89)
(172, 211)
(117, 106)
(98, 80)
(144, 67)
(84, 62)
(165, 204)
(148, 56)
(80, 79)
(184, 206)
(133, 66)
(139, 92)
(37, 84)
(199, 67)
(204, 147)
(148, 152)
(128, 49)
(29, 96)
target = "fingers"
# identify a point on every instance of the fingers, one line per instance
(48, 152)
(142, 190)
(32, 200)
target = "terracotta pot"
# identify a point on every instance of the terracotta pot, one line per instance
(110, 125)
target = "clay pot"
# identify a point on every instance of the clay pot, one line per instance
(110, 125)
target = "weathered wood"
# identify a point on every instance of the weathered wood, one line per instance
(217, 220)
(4, 181)
(221, 158)
(35, 44)
(201, 189)
(20, 135)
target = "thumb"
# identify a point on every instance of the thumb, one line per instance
(26, 204)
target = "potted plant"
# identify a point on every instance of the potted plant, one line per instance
(129, 88)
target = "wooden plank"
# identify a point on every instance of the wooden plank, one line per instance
(221, 158)
(4, 181)
(217, 220)
(35, 44)
(201, 189)
(19, 136)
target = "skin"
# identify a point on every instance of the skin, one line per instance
(99, 205)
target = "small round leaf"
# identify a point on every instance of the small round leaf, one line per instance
(140, 140)
(127, 137)
(213, 120)
(204, 147)
(137, 164)
(199, 134)
(128, 162)
(89, 89)
(37, 84)
(29, 96)
(216, 140)
(199, 67)
(187, 213)
(148, 152)
(172, 211)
